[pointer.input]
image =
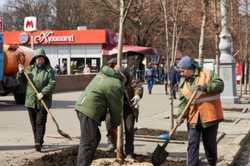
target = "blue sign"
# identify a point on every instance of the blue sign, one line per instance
(24, 38)
(1, 57)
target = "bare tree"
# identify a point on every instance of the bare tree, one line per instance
(216, 37)
(203, 26)
(14, 12)
(124, 8)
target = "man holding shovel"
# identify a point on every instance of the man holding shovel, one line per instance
(204, 113)
(102, 95)
(42, 76)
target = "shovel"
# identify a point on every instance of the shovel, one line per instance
(62, 133)
(160, 154)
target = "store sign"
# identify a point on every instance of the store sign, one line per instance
(30, 24)
(48, 37)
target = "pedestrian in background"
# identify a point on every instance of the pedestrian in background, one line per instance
(86, 69)
(174, 78)
(150, 77)
(205, 113)
(161, 72)
(104, 93)
(42, 76)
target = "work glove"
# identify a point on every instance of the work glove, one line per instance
(20, 68)
(136, 106)
(135, 100)
(201, 88)
(39, 96)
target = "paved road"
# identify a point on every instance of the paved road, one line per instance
(16, 135)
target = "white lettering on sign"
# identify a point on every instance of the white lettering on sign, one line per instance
(47, 37)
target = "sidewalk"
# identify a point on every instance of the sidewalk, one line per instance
(17, 140)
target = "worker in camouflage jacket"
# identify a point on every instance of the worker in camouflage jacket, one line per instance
(42, 76)
(104, 94)
(205, 111)
(133, 92)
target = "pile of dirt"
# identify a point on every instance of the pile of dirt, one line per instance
(68, 157)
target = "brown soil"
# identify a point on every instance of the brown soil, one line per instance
(67, 157)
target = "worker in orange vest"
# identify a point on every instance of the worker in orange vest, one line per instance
(205, 112)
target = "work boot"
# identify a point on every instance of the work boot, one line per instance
(130, 157)
(38, 147)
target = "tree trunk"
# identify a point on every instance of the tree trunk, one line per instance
(203, 26)
(246, 79)
(216, 38)
(123, 15)
(164, 7)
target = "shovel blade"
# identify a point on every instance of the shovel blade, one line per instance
(159, 155)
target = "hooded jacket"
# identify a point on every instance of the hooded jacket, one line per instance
(43, 78)
(104, 92)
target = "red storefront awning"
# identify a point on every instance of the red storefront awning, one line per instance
(132, 49)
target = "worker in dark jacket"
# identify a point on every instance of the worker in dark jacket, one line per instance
(42, 76)
(205, 112)
(133, 93)
(104, 93)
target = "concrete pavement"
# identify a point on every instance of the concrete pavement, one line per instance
(16, 140)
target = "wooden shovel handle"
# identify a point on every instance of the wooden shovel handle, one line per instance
(42, 101)
(183, 114)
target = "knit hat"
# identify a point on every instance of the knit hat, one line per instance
(186, 62)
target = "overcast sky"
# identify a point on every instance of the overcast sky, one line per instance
(2, 2)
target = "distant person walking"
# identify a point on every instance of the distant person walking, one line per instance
(86, 69)
(205, 113)
(42, 76)
(150, 77)
(174, 78)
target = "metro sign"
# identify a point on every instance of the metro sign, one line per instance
(30, 24)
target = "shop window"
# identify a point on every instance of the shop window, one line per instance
(77, 65)
(94, 64)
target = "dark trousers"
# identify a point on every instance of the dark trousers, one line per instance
(38, 119)
(90, 139)
(173, 90)
(209, 142)
(129, 123)
(150, 83)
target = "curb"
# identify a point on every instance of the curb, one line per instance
(233, 150)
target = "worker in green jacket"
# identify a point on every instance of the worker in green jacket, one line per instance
(42, 75)
(104, 93)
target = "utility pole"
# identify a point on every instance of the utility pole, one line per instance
(227, 62)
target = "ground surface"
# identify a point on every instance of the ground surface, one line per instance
(16, 140)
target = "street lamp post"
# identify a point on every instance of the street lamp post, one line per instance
(227, 62)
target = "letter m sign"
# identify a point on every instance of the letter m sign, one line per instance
(30, 24)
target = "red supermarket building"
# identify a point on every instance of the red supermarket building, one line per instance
(71, 48)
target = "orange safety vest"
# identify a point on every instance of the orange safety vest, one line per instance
(206, 106)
